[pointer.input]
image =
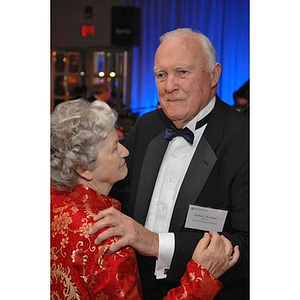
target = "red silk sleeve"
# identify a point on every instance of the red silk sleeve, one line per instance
(196, 283)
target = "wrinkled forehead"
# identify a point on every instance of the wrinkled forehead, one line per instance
(180, 48)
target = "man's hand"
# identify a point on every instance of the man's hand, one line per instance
(214, 253)
(130, 232)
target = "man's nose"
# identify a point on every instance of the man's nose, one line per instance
(171, 84)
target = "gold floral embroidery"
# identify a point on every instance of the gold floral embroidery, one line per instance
(75, 209)
(102, 250)
(60, 223)
(64, 218)
(88, 210)
(53, 253)
(64, 242)
(79, 260)
(58, 273)
(192, 276)
(84, 229)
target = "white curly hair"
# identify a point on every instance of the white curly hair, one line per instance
(77, 128)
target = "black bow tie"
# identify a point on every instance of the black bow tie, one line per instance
(186, 133)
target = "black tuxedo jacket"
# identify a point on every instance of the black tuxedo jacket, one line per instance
(218, 177)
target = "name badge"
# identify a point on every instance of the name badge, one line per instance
(205, 218)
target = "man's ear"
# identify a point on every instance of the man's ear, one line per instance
(87, 174)
(216, 74)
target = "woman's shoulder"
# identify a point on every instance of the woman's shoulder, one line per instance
(83, 195)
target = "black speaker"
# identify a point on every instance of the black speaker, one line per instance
(125, 25)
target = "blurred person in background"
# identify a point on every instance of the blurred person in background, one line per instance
(101, 91)
(242, 98)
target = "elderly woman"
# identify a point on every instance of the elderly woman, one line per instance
(86, 160)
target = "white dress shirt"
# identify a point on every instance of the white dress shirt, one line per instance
(172, 171)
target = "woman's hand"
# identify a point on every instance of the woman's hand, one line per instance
(214, 253)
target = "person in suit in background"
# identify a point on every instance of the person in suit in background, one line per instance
(101, 91)
(242, 98)
(193, 151)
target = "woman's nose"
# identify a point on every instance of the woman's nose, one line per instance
(123, 150)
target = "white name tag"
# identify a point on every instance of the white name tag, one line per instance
(205, 218)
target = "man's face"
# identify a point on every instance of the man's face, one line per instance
(184, 82)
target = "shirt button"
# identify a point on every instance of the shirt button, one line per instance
(175, 153)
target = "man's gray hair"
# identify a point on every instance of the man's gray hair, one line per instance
(204, 41)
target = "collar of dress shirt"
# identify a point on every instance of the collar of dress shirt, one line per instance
(203, 113)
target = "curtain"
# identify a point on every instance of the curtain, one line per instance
(224, 22)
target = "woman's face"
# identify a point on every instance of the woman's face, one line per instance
(111, 166)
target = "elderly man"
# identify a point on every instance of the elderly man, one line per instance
(188, 171)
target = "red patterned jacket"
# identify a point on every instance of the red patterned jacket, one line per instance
(82, 270)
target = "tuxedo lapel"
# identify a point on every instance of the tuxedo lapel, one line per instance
(197, 174)
(200, 167)
(199, 170)
(151, 164)
(216, 124)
